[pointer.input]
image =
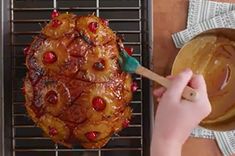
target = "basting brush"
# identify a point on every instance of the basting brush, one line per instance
(131, 65)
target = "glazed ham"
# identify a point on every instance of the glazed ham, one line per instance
(75, 90)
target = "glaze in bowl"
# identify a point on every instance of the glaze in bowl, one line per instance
(212, 54)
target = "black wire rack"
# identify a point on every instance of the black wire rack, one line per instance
(22, 19)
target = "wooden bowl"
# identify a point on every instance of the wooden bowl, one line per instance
(212, 54)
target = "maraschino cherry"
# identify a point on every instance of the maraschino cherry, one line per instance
(53, 131)
(26, 50)
(54, 14)
(100, 65)
(93, 26)
(51, 97)
(92, 136)
(23, 90)
(129, 50)
(56, 23)
(98, 104)
(126, 123)
(105, 21)
(134, 87)
(49, 57)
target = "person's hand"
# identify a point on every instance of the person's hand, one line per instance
(176, 117)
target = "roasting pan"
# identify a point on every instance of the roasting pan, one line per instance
(22, 19)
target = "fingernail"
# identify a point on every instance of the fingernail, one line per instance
(187, 70)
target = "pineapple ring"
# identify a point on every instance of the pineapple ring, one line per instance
(98, 144)
(107, 94)
(127, 93)
(56, 88)
(122, 86)
(100, 36)
(88, 73)
(28, 90)
(118, 121)
(31, 113)
(99, 66)
(57, 61)
(59, 51)
(66, 25)
(103, 128)
(28, 99)
(54, 127)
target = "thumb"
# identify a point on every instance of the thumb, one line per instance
(178, 84)
(198, 82)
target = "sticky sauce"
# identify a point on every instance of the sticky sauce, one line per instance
(214, 58)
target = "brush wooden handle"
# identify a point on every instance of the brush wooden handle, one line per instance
(188, 93)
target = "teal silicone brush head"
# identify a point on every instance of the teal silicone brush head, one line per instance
(128, 64)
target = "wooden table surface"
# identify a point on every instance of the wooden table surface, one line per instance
(169, 17)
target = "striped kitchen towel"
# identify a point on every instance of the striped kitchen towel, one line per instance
(201, 132)
(205, 15)
(226, 20)
(202, 10)
(225, 140)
